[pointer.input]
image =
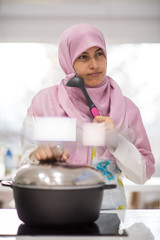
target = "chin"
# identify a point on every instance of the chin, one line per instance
(94, 83)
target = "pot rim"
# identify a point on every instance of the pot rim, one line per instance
(59, 187)
(103, 186)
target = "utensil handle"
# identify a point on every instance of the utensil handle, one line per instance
(7, 183)
(94, 111)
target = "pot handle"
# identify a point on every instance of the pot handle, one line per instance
(109, 186)
(7, 183)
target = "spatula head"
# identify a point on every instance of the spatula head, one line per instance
(75, 82)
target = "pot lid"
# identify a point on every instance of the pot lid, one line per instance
(57, 174)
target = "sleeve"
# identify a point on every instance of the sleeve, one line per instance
(134, 156)
(129, 160)
(28, 146)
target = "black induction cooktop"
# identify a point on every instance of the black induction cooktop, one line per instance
(106, 225)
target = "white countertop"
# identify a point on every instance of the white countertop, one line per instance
(140, 225)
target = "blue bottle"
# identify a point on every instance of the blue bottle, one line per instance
(8, 161)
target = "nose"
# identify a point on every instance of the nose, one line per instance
(93, 63)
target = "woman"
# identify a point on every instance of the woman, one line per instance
(82, 52)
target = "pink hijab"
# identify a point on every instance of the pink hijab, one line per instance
(75, 40)
(66, 101)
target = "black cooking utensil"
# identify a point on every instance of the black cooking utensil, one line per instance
(79, 82)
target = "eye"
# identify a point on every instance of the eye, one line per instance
(99, 53)
(83, 56)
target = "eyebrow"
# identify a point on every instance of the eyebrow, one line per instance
(99, 49)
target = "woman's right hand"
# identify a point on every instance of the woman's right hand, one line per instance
(46, 152)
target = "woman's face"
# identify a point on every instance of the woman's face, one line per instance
(91, 66)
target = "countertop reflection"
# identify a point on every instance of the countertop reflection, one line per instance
(139, 224)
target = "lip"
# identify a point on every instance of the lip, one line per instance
(95, 74)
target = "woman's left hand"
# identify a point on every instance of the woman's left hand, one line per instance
(111, 132)
(109, 124)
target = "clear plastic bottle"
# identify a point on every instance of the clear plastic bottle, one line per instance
(8, 161)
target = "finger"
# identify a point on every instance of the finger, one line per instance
(55, 153)
(37, 155)
(100, 119)
(97, 119)
(48, 152)
(65, 155)
(42, 153)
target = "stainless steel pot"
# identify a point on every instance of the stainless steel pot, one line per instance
(58, 194)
